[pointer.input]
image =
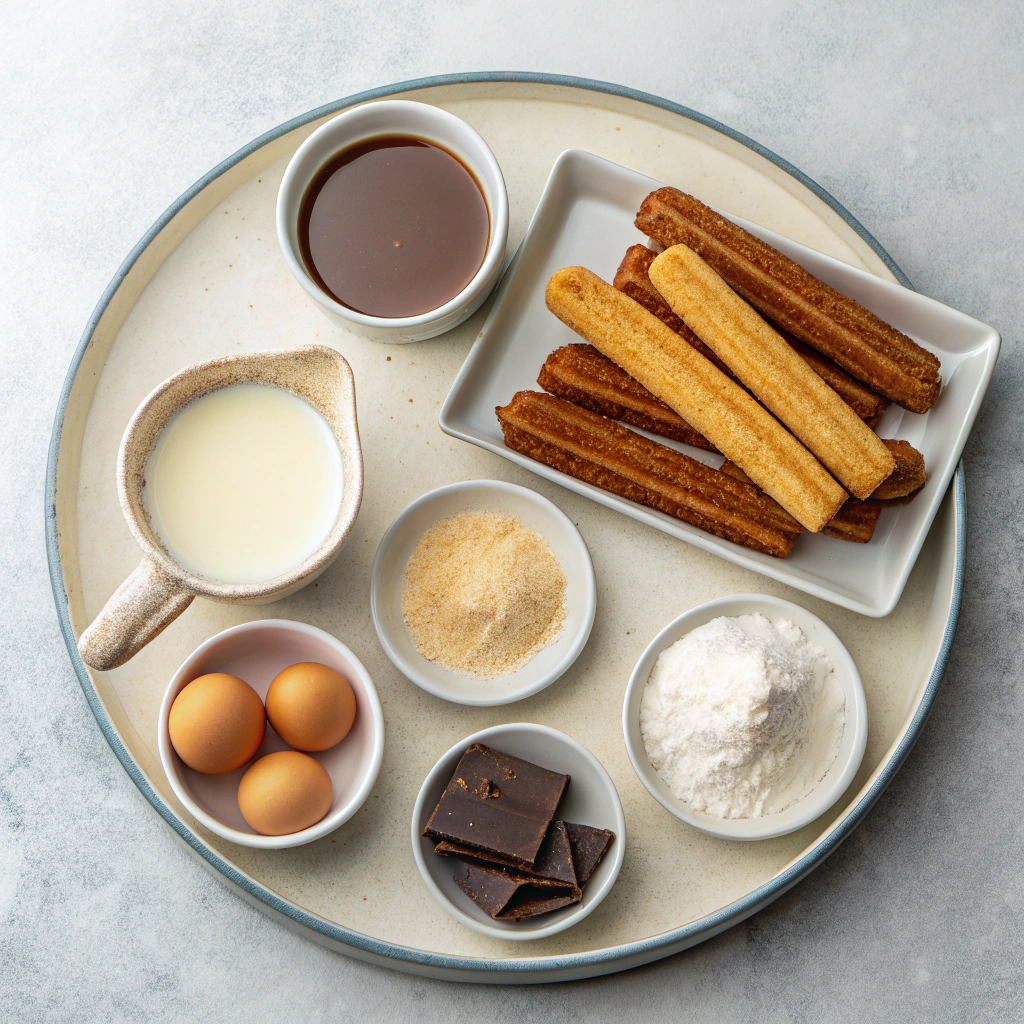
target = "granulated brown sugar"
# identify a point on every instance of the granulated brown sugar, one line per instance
(483, 594)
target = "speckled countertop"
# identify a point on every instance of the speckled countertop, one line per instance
(910, 114)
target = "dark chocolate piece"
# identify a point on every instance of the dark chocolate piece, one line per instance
(589, 845)
(554, 861)
(523, 904)
(498, 803)
(504, 895)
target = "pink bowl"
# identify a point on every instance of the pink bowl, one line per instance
(256, 652)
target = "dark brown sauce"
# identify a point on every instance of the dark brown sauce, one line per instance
(394, 227)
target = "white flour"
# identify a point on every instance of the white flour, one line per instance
(742, 717)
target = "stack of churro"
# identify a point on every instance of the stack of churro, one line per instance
(677, 348)
(831, 323)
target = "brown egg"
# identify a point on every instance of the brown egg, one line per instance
(310, 706)
(284, 793)
(217, 723)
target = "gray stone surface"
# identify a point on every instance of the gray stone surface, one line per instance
(909, 112)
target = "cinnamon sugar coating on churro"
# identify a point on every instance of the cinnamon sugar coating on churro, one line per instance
(598, 451)
(830, 322)
(698, 391)
(771, 370)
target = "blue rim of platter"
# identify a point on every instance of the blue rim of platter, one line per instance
(549, 968)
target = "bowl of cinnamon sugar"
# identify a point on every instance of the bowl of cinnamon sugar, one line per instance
(483, 592)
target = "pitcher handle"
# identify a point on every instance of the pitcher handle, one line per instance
(140, 609)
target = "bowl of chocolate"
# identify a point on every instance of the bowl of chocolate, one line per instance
(393, 216)
(518, 832)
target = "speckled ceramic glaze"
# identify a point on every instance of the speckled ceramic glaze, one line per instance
(208, 279)
(159, 590)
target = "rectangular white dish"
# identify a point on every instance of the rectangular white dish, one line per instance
(585, 216)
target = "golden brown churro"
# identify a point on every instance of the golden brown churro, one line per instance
(855, 521)
(580, 374)
(772, 371)
(834, 324)
(698, 391)
(907, 478)
(633, 279)
(860, 398)
(616, 459)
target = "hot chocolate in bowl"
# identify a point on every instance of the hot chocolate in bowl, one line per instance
(394, 227)
(393, 216)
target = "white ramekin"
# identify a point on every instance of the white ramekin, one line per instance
(256, 651)
(837, 779)
(590, 799)
(395, 117)
(537, 513)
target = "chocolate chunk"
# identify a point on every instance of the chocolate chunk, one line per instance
(498, 803)
(504, 895)
(554, 861)
(524, 905)
(589, 845)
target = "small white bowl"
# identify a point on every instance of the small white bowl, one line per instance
(256, 652)
(851, 748)
(590, 799)
(422, 121)
(537, 513)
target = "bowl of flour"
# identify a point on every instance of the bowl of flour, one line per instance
(745, 717)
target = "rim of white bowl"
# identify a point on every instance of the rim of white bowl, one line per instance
(496, 244)
(410, 669)
(821, 798)
(523, 932)
(333, 820)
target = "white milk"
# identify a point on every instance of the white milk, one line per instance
(244, 483)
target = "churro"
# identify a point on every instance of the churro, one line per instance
(870, 407)
(855, 521)
(580, 374)
(830, 322)
(772, 371)
(698, 391)
(906, 479)
(632, 278)
(598, 451)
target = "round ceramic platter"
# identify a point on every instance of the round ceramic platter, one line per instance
(208, 279)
